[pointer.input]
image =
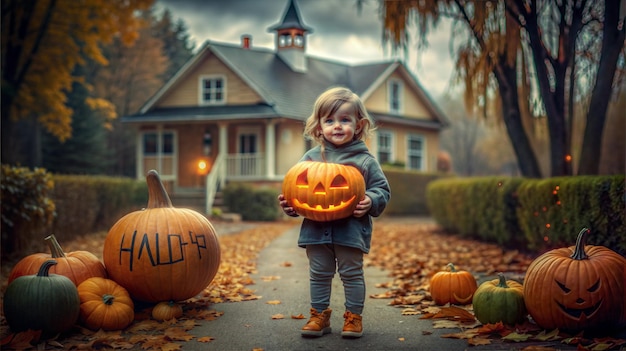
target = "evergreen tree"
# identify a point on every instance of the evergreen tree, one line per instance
(177, 45)
(86, 151)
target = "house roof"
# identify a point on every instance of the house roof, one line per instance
(291, 20)
(285, 93)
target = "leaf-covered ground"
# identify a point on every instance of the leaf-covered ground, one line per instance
(410, 253)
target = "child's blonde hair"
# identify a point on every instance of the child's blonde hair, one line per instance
(327, 104)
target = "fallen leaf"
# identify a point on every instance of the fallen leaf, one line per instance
(476, 341)
(278, 316)
(206, 339)
(300, 316)
(273, 302)
(543, 336)
(286, 264)
(516, 337)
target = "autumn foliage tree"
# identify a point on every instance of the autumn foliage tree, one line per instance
(540, 57)
(43, 41)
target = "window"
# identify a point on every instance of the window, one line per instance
(385, 146)
(285, 40)
(151, 143)
(395, 96)
(212, 90)
(415, 153)
(299, 40)
(158, 151)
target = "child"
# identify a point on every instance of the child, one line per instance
(339, 124)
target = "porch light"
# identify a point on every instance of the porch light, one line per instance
(203, 167)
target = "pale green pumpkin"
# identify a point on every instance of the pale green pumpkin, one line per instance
(499, 300)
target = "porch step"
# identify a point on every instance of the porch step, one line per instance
(195, 200)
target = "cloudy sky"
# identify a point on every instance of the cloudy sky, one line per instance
(340, 32)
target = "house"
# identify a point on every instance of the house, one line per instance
(236, 113)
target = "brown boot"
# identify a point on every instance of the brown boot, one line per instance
(352, 325)
(318, 324)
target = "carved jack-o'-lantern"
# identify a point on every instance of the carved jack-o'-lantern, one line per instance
(577, 288)
(323, 191)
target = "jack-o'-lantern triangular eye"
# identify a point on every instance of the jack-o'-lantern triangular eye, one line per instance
(302, 181)
(319, 189)
(339, 182)
(595, 286)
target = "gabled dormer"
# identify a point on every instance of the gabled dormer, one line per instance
(291, 39)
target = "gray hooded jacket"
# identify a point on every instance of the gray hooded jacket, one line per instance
(351, 231)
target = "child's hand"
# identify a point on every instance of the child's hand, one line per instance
(289, 211)
(363, 207)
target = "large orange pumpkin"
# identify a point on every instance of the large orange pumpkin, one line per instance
(162, 253)
(323, 191)
(453, 286)
(76, 265)
(577, 288)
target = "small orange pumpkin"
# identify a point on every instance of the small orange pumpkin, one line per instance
(454, 286)
(577, 288)
(104, 304)
(323, 191)
(162, 253)
(76, 265)
(166, 310)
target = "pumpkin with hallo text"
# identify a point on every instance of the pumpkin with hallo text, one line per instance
(577, 288)
(162, 253)
(323, 191)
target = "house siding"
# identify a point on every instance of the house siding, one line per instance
(412, 107)
(186, 92)
(290, 145)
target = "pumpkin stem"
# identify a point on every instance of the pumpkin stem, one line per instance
(55, 248)
(45, 267)
(579, 250)
(107, 299)
(502, 281)
(452, 267)
(157, 196)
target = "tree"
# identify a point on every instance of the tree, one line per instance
(533, 54)
(86, 151)
(43, 41)
(176, 42)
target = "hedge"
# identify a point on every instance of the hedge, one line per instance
(36, 204)
(535, 214)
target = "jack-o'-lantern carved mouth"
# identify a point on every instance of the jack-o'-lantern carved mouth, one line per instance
(577, 313)
(319, 208)
(463, 300)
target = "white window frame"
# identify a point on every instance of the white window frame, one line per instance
(390, 149)
(395, 99)
(202, 90)
(141, 153)
(416, 153)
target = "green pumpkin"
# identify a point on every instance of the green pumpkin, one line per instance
(46, 302)
(499, 300)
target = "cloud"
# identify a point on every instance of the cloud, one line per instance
(340, 31)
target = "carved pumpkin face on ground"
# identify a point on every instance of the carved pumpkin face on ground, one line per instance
(323, 191)
(576, 288)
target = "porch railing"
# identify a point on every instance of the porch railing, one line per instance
(242, 166)
(215, 181)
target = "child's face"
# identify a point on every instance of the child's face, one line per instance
(340, 127)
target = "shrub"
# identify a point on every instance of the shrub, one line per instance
(254, 204)
(27, 207)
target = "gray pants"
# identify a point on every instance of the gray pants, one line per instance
(324, 261)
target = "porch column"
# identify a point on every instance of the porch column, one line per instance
(270, 149)
(223, 151)
(373, 147)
